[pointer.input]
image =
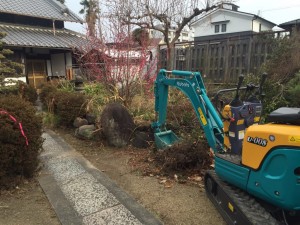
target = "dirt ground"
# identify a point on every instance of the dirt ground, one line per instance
(26, 205)
(173, 201)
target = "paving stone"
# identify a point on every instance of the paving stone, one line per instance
(87, 195)
(50, 145)
(64, 169)
(77, 194)
(117, 215)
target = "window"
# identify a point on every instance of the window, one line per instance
(217, 28)
(260, 27)
(223, 28)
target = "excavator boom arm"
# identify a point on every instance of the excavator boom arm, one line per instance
(191, 84)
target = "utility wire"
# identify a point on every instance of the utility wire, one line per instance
(267, 10)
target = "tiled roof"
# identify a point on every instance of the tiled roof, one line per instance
(48, 9)
(41, 37)
(292, 22)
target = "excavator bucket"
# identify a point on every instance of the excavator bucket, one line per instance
(165, 139)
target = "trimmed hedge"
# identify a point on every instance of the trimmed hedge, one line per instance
(68, 106)
(47, 91)
(17, 159)
(25, 91)
(28, 92)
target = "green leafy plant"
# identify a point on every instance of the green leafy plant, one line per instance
(98, 92)
(50, 120)
(66, 86)
(284, 61)
(8, 68)
(274, 93)
(293, 91)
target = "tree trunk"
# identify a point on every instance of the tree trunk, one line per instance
(171, 57)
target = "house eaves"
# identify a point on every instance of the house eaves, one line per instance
(233, 12)
(24, 36)
(46, 9)
(289, 23)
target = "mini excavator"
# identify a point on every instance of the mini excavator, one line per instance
(256, 177)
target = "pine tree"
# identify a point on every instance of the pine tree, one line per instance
(91, 11)
(8, 68)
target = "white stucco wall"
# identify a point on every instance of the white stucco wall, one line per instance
(236, 22)
(187, 34)
(264, 26)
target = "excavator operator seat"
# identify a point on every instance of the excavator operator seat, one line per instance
(285, 115)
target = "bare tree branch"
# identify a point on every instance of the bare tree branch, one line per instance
(161, 15)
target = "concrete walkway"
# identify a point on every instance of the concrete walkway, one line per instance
(81, 194)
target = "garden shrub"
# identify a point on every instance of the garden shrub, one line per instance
(98, 96)
(25, 91)
(284, 61)
(68, 106)
(180, 110)
(50, 120)
(278, 94)
(63, 105)
(293, 91)
(142, 108)
(9, 90)
(28, 92)
(47, 92)
(98, 91)
(65, 85)
(17, 159)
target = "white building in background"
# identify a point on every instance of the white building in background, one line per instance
(187, 34)
(226, 21)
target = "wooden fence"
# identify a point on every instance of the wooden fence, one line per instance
(225, 59)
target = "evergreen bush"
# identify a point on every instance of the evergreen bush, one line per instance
(68, 106)
(17, 159)
(47, 92)
(28, 92)
(293, 91)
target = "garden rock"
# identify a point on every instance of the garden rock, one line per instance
(142, 139)
(117, 125)
(91, 118)
(78, 122)
(86, 132)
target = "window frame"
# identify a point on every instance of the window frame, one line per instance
(217, 28)
(224, 25)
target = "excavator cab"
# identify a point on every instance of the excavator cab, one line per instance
(240, 113)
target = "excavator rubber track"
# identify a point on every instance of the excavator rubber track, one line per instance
(236, 206)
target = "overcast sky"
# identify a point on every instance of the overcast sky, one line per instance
(276, 11)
